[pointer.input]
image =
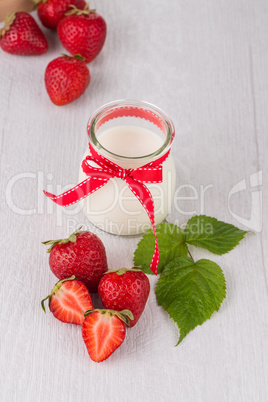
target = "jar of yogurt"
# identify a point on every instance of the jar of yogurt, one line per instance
(130, 134)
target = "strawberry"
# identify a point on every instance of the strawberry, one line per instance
(51, 12)
(82, 254)
(104, 331)
(68, 301)
(82, 32)
(125, 289)
(66, 79)
(21, 35)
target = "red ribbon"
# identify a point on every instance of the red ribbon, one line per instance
(135, 179)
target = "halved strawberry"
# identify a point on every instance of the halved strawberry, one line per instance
(68, 301)
(103, 331)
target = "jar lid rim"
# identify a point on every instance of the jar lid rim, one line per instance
(135, 104)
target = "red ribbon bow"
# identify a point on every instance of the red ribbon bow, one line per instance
(135, 179)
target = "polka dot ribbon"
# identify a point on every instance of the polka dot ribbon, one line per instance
(135, 179)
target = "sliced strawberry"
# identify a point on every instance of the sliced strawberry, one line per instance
(103, 332)
(68, 301)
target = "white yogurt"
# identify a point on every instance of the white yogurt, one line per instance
(114, 208)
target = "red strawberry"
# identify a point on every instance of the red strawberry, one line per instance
(51, 12)
(103, 332)
(21, 35)
(125, 289)
(82, 32)
(66, 79)
(82, 254)
(68, 301)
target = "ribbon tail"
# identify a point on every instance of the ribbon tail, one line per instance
(155, 259)
(77, 193)
(145, 197)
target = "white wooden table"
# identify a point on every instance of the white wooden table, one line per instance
(205, 63)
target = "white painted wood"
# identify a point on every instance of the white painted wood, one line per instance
(205, 63)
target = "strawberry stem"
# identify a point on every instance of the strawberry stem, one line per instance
(37, 2)
(122, 271)
(8, 22)
(76, 56)
(72, 238)
(79, 57)
(124, 315)
(54, 290)
(74, 10)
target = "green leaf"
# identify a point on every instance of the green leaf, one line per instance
(171, 242)
(213, 235)
(190, 292)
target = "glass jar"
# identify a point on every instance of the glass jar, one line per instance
(130, 134)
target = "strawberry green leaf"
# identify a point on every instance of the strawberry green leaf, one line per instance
(213, 235)
(190, 292)
(72, 238)
(171, 242)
